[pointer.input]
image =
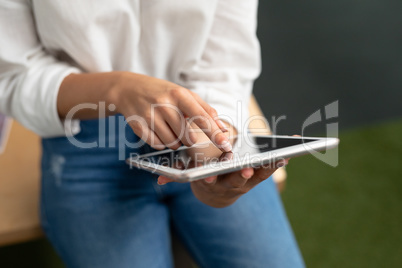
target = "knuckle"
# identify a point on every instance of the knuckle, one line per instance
(212, 111)
(136, 126)
(161, 100)
(203, 122)
(174, 145)
(177, 92)
(163, 109)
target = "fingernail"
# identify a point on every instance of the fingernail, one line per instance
(282, 164)
(246, 175)
(226, 146)
(221, 124)
(209, 180)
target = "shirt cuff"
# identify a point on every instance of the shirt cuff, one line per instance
(35, 103)
(57, 126)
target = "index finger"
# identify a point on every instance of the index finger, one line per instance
(205, 122)
(211, 111)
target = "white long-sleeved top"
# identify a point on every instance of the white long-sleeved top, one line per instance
(207, 46)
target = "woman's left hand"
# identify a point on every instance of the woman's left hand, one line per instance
(224, 190)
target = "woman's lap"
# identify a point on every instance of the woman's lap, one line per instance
(100, 213)
(253, 232)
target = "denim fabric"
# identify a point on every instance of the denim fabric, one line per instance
(97, 212)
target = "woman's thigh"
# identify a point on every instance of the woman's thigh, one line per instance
(96, 211)
(253, 232)
(109, 219)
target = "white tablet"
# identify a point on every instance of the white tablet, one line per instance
(192, 163)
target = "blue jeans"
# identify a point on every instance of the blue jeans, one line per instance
(97, 212)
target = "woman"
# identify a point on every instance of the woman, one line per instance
(70, 69)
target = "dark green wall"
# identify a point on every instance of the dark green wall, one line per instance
(316, 52)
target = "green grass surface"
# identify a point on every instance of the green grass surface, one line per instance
(351, 215)
(348, 216)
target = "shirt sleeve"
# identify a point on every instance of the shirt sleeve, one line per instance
(230, 62)
(29, 77)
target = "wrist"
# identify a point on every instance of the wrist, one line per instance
(115, 92)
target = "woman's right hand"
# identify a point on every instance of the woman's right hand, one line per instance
(155, 109)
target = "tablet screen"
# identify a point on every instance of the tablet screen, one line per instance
(189, 157)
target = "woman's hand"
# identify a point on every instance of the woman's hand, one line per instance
(224, 190)
(162, 105)
(155, 109)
